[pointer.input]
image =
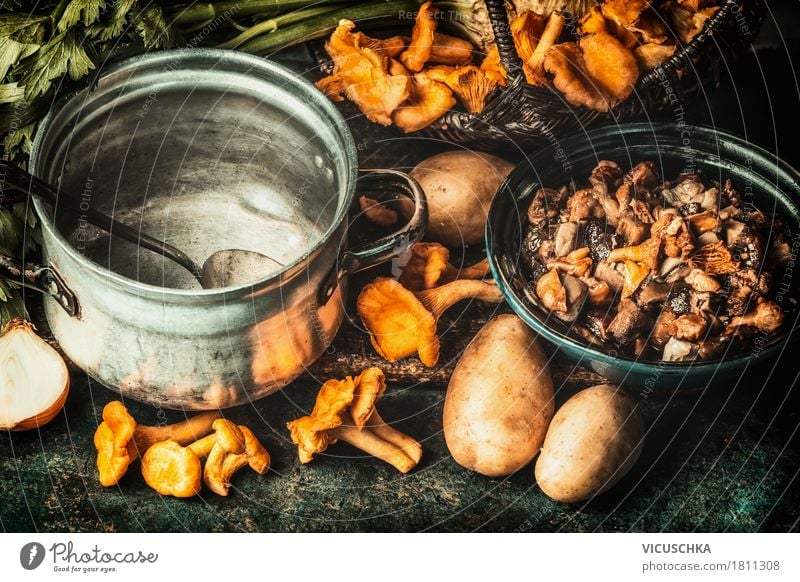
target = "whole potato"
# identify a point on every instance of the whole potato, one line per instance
(459, 186)
(499, 400)
(594, 440)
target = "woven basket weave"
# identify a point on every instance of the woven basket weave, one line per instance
(522, 114)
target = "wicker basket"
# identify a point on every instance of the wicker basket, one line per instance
(522, 114)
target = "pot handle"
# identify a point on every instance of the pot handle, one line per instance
(374, 253)
(40, 278)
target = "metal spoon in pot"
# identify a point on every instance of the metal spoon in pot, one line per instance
(223, 268)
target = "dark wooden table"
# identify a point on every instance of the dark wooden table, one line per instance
(723, 459)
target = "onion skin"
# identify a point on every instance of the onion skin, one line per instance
(41, 418)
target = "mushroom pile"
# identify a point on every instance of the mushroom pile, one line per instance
(171, 455)
(591, 52)
(674, 270)
(616, 39)
(408, 82)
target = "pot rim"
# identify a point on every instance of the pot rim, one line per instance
(286, 78)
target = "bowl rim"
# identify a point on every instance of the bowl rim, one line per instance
(161, 61)
(572, 344)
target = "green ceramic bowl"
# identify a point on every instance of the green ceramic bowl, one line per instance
(762, 178)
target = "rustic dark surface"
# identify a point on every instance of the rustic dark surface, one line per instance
(723, 459)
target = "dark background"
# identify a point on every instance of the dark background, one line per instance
(723, 459)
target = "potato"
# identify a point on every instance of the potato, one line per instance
(499, 400)
(459, 186)
(593, 441)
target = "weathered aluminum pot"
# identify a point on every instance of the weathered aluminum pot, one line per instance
(207, 150)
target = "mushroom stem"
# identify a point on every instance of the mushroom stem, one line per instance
(440, 299)
(368, 441)
(202, 448)
(405, 443)
(552, 31)
(182, 433)
(477, 271)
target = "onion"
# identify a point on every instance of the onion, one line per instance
(34, 380)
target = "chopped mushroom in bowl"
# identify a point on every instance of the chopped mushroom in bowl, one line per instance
(658, 256)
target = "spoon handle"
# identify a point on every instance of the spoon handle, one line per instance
(16, 184)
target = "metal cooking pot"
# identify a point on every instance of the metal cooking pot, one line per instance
(207, 150)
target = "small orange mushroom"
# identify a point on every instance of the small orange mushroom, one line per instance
(428, 267)
(715, 259)
(449, 50)
(174, 470)
(552, 293)
(428, 101)
(645, 253)
(635, 273)
(402, 323)
(492, 67)
(362, 74)
(120, 440)
(376, 212)
(223, 464)
(422, 39)
(345, 410)
(472, 85)
(599, 72)
(577, 262)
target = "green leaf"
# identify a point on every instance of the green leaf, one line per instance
(115, 24)
(86, 11)
(10, 232)
(151, 24)
(61, 54)
(23, 28)
(20, 37)
(31, 235)
(11, 304)
(19, 141)
(11, 93)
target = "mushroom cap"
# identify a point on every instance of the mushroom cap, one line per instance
(398, 323)
(471, 84)
(635, 273)
(310, 433)
(552, 293)
(229, 436)
(426, 266)
(428, 101)
(376, 212)
(422, 36)
(526, 30)
(492, 67)
(172, 469)
(362, 74)
(257, 456)
(111, 441)
(369, 387)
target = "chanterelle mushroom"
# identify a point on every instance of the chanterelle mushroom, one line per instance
(120, 440)
(345, 410)
(174, 470)
(428, 267)
(223, 464)
(402, 323)
(362, 74)
(420, 49)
